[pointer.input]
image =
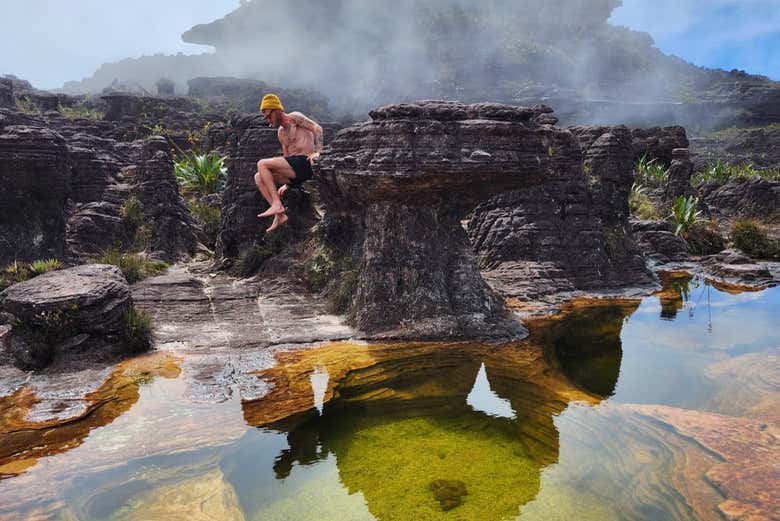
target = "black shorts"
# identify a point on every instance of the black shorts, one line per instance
(302, 169)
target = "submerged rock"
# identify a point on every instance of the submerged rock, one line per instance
(448, 492)
(73, 309)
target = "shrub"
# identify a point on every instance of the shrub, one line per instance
(650, 172)
(640, 204)
(252, 259)
(749, 236)
(201, 174)
(704, 238)
(319, 269)
(137, 330)
(134, 266)
(208, 217)
(80, 110)
(132, 212)
(39, 267)
(684, 214)
(721, 173)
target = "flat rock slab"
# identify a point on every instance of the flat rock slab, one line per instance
(93, 297)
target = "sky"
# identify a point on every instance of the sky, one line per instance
(49, 42)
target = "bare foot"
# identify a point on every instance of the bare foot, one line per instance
(273, 210)
(282, 190)
(279, 220)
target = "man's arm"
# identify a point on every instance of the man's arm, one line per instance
(304, 122)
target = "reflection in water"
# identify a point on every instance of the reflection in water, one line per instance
(407, 425)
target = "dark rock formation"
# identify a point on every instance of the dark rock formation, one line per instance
(757, 146)
(35, 175)
(165, 214)
(66, 310)
(396, 188)
(658, 142)
(251, 139)
(751, 197)
(658, 242)
(6, 93)
(120, 105)
(244, 95)
(166, 87)
(679, 178)
(571, 232)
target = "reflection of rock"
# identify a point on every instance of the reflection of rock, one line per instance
(401, 410)
(585, 343)
(734, 267)
(750, 450)
(23, 440)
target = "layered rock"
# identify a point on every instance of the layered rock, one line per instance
(66, 310)
(164, 210)
(569, 233)
(35, 173)
(251, 139)
(6, 93)
(757, 146)
(396, 188)
(752, 197)
(678, 182)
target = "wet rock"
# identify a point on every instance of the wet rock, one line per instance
(64, 309)
(734, 267)
(749, 197)
(448, 492)
(399, 186)
(251, 139)
(679, 178)
(570, 232)
(35, 173)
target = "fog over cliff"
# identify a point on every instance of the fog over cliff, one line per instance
(362, 54)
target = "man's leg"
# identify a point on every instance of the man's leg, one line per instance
(271, 172)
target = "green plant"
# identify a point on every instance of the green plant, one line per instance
(137, 330)
(650, 172)
(640, 204)
(344, 290)
(27, 106)
(134, 266)
(209, 218)
(721, 173)
(80, 110)
(684, 214)
(40, 266)
(320, 268)
(749, 236)
(252, 259)
(201, 174)
(132, 212)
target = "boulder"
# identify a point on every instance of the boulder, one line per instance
(35, 173)
(66, 310)
(657, 241)
(396, 189)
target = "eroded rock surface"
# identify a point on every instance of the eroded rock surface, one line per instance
(69, 310)
(400, 184)
(750, 197)
(569, 233)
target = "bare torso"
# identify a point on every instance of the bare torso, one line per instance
(295, 140)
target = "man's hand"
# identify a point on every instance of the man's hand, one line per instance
(312, 157)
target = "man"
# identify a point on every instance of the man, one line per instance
(301, 140)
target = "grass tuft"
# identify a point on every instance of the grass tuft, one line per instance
(134, 266)
(650, 172)
(201, 174)
(685, 215)
(137, 330)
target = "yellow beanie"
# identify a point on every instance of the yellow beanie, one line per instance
(271, 101)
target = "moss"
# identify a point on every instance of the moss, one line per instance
(137, 330)
(749, 236)
(345, 288)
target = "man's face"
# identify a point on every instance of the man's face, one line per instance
(272, 117)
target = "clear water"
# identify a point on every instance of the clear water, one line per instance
(541, 430)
